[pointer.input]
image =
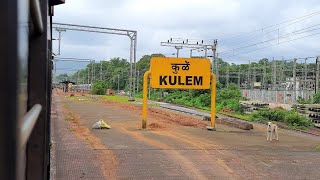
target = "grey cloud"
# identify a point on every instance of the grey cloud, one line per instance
(157, 21)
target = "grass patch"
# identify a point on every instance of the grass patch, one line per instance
(154, 104)
(246, 117)
(121, 99)
(81, 98)
(317, 147)
(206, 110)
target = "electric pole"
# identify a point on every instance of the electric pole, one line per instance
(59, 45)
(78, 77)
(216, 63)
(305, 76)
(239, 80)
(59, 39)
(118, 83)
(317, 74)
(264, 75)
(138, 80)
(249, 76)
(283, 75)
(274, 73)
(227, 76)
(92, 73)
(131, 72)
(88, 75)
(294, 80)
(254, 75)
(101, 70)
(94, 70)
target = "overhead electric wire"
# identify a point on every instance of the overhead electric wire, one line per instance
(274, 44)
(305, 16)
(282, 36)
(73, 59)
(68, 69)
(294, 33)
(262, 35)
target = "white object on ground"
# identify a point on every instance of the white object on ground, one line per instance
(101, 124)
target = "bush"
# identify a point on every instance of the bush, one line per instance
(99, 87)
(228, 97)
(270, 114)
(291, 118)
(277, 115)
(303, 101)
(261, 114)
(139, 95)
(316, 98)
(219, 107)
(232, 104)
(230, 93)
(294, 119)
(204, 100)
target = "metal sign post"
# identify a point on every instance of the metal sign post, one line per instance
(179, 73)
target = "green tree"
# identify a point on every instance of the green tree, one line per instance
(144, 63)
(232, 92)
(62, 77)
(99, 87)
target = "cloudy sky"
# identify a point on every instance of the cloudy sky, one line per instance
(245, 29)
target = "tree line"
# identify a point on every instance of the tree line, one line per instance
(118, 70)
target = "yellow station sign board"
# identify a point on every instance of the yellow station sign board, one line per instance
(180, 73)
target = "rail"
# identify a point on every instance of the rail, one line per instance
(36, 16)
(29, 120)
